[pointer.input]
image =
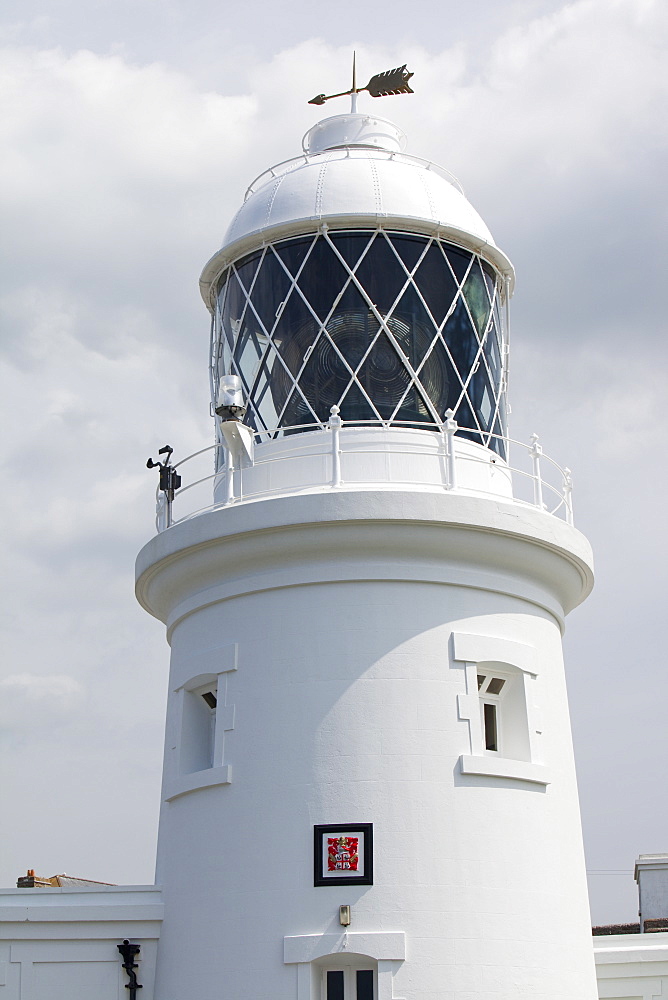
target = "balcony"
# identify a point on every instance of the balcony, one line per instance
(319, 458)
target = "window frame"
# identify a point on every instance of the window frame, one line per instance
(494, 701)
(349, 969)
(383, 951)
(517, 662)
(198, 713)
(180, 777)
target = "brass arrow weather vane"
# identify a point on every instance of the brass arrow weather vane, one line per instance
(391, 81)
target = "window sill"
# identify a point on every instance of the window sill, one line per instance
(504, 767)
(199, 779)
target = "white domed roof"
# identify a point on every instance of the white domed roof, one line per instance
(353, 174)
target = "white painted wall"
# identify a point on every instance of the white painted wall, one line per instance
(632, 966)
(61, 944)
(343, 630)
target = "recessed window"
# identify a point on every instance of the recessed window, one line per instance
(335, 984)
(364, 982)
(199, 728)
(502, 703)
(349, 982)
(210, 698)
(491, 688)
(489, 715)
(495, 684)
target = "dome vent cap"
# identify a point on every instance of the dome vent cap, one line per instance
(354, 130)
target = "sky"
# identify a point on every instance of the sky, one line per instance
(129, 133)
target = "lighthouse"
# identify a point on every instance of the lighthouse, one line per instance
(368, 790)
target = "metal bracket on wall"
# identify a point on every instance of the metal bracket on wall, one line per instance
(129, 953)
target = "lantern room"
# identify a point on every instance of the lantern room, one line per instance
(359, 277)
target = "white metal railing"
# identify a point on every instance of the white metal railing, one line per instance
(306, 157)
(538, 481)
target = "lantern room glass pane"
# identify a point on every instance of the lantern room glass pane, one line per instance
(383, 376)
(323, 278)
(461, 340)
(436, 283)
(459, 259)
(490, 279)
(263, 402)
(475, 293)
(417, 329)
(235, 304)
(381, 274)
(246, 270)
(293, 253)
(390, 327)
(409, 248)
(352, 246)
(356, 405)
(269, 291)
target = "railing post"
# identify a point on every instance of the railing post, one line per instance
(229, 479)
(536, 451)
(163, 511)
(568, 498)
(335, 424)
(449, 431)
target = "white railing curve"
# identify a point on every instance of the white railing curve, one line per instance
(531, 480)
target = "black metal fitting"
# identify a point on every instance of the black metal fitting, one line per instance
(170, 480)
(129, 953)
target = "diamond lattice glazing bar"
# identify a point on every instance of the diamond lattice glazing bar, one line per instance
(393, 328)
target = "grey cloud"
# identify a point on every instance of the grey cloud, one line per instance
(121, 178)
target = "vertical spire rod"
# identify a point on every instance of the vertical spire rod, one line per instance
(353, 92)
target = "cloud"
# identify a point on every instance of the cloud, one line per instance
(120, 177)
(46, 696)
(33, 688)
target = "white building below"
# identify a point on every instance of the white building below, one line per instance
(62, 943)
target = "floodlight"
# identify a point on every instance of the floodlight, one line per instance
(231, 405)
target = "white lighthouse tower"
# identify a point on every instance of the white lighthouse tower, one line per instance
(369, 790)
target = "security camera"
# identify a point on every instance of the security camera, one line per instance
(230, 399)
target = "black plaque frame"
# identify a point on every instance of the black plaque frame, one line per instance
(365, 832)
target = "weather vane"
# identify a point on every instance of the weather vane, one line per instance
(392, 81)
